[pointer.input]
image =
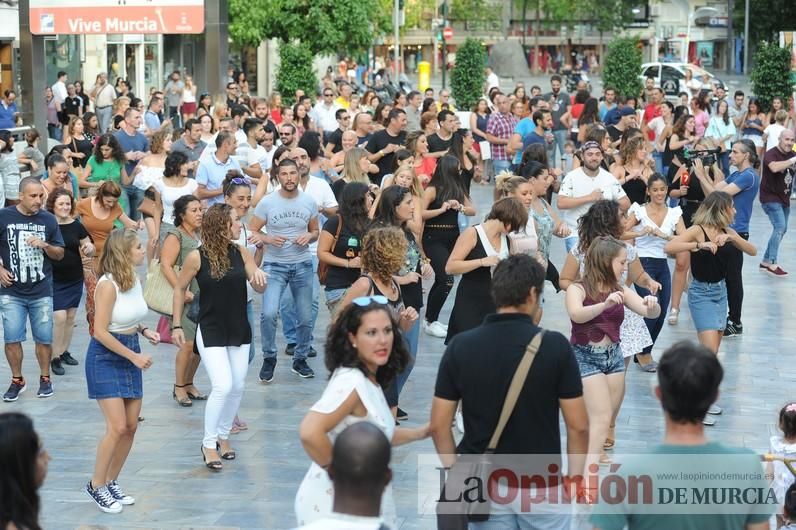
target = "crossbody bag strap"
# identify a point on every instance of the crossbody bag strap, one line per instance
(337, 232)
(517, 382)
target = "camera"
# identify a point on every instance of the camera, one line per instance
(708, 156)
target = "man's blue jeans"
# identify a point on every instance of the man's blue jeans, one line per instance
(500, 166)
(287, 309)
(778, 215)
(297, 278)
(135, 196)
(562, 136)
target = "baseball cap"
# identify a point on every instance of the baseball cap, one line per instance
(626, 111)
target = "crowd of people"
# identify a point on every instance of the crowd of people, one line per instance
(226, 199)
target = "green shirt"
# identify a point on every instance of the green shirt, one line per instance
(105, 170)
(664, 465)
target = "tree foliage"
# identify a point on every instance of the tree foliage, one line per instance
(474, 10)
(467, 77)
(622, 66)
(771, 76)
(767, 18)
(324, 26)
(606, 15)
(295, 71)
(418, 13)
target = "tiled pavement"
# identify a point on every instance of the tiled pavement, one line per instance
(173, 489)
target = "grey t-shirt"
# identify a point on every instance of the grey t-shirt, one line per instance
(173, 99)
(559, 105)
(288, 218)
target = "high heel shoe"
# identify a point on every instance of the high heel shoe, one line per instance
(215, 465)
(183, 402)
(229, 455)
(197, 397)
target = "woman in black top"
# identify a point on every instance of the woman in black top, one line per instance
(221, 269)
(635, 169)
(340, 242)
(67, 276)
(683, 136)
(396, 208)
(77, 142)
(689, 192)
(461, 147)
(443, 199)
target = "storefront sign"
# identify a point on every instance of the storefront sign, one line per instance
(83, 17)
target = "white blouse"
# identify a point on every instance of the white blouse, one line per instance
(651, 246)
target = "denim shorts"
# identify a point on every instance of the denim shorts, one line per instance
(109, 375)
(16, 312)
(708, 305)
(594, 360)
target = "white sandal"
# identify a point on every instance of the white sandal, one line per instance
(674, 314)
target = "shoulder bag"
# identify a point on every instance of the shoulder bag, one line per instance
(158, 292)
(455, 515)
(323, 268)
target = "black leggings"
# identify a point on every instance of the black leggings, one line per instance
(438, 244)
(734, 281)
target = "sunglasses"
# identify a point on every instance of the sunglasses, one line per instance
(364, 301)
(240, 180)
(328, 95)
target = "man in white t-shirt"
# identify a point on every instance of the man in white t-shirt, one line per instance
(772, 132)
(324, 198)
(584, 186)
(359, 468)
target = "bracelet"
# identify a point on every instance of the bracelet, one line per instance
(142, 330)
(175, 327)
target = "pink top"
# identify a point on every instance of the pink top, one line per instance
(606, 323)
(701, 119)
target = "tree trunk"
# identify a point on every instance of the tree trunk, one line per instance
(524, 22)
(536, 31)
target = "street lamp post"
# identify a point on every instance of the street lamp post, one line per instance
(700, 12)
(396, 20)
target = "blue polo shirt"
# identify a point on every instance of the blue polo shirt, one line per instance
(7, 120)
(211, 173)
(524, 126)
(137, 142)
(749, 183)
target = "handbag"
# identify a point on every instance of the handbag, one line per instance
(193, 309)
(151, 207)
(457, 516)
(158, 292)
(164, 329)
(323, 268)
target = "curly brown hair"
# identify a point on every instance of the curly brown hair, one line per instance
(341, 353)
(216, 224)
(601, 219)
(384, 252)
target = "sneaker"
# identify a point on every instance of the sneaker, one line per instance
(709, 421)
(302, 369)
(290, 349)
(15, 389)
(118, 494)
(67, 358)
(56, 367)
(715, 410)
(402, 415)
(733, 330)
(312, 352)
(103, 499)
(777, 271)
(45, 387)
(435, 329)
(267, 371)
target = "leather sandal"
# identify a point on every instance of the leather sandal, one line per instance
(215, 465)
(197, 397)
(229, 455)
(184, 401)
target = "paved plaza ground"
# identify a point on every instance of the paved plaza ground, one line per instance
(174, 490)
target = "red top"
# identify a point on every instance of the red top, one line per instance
(606, 323)
(651, 112)
(276, 116)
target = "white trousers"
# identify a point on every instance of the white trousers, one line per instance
(226, 367)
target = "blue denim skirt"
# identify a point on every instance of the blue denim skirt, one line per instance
(708, 305)
(109, 375)
(593, 360)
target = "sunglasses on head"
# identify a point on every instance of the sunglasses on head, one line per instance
(241, 180)
(364, 301)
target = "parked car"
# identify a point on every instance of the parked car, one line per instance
(671, 77)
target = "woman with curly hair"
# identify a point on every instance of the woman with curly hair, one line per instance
(114, 363)
(635, 169)
(24, 463)
(106, 163)
(364, 354)
(223, 334)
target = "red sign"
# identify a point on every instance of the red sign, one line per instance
(447, 33)
(83, 17)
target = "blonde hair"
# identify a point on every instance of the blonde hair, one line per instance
(219, 103)
(115, 258)
(351, 170)
(416, 189)
(598, 271)
(507, 184)
(156, 143)
(117, 103)
(714, 211)
(384, 251)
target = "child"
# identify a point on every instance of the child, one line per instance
(568, 157)
(31, 156)
(785, 446)
(790, 509)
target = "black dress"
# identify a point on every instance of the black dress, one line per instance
(474, 294)
(636, 189)
(222, 303)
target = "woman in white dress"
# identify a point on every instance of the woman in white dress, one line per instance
(145, 177)
(363, 357)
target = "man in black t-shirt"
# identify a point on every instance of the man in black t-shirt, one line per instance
(477, 369)
(72, 104)
(383, 144)
(627, 120)
(334, 139)
(440, 142)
